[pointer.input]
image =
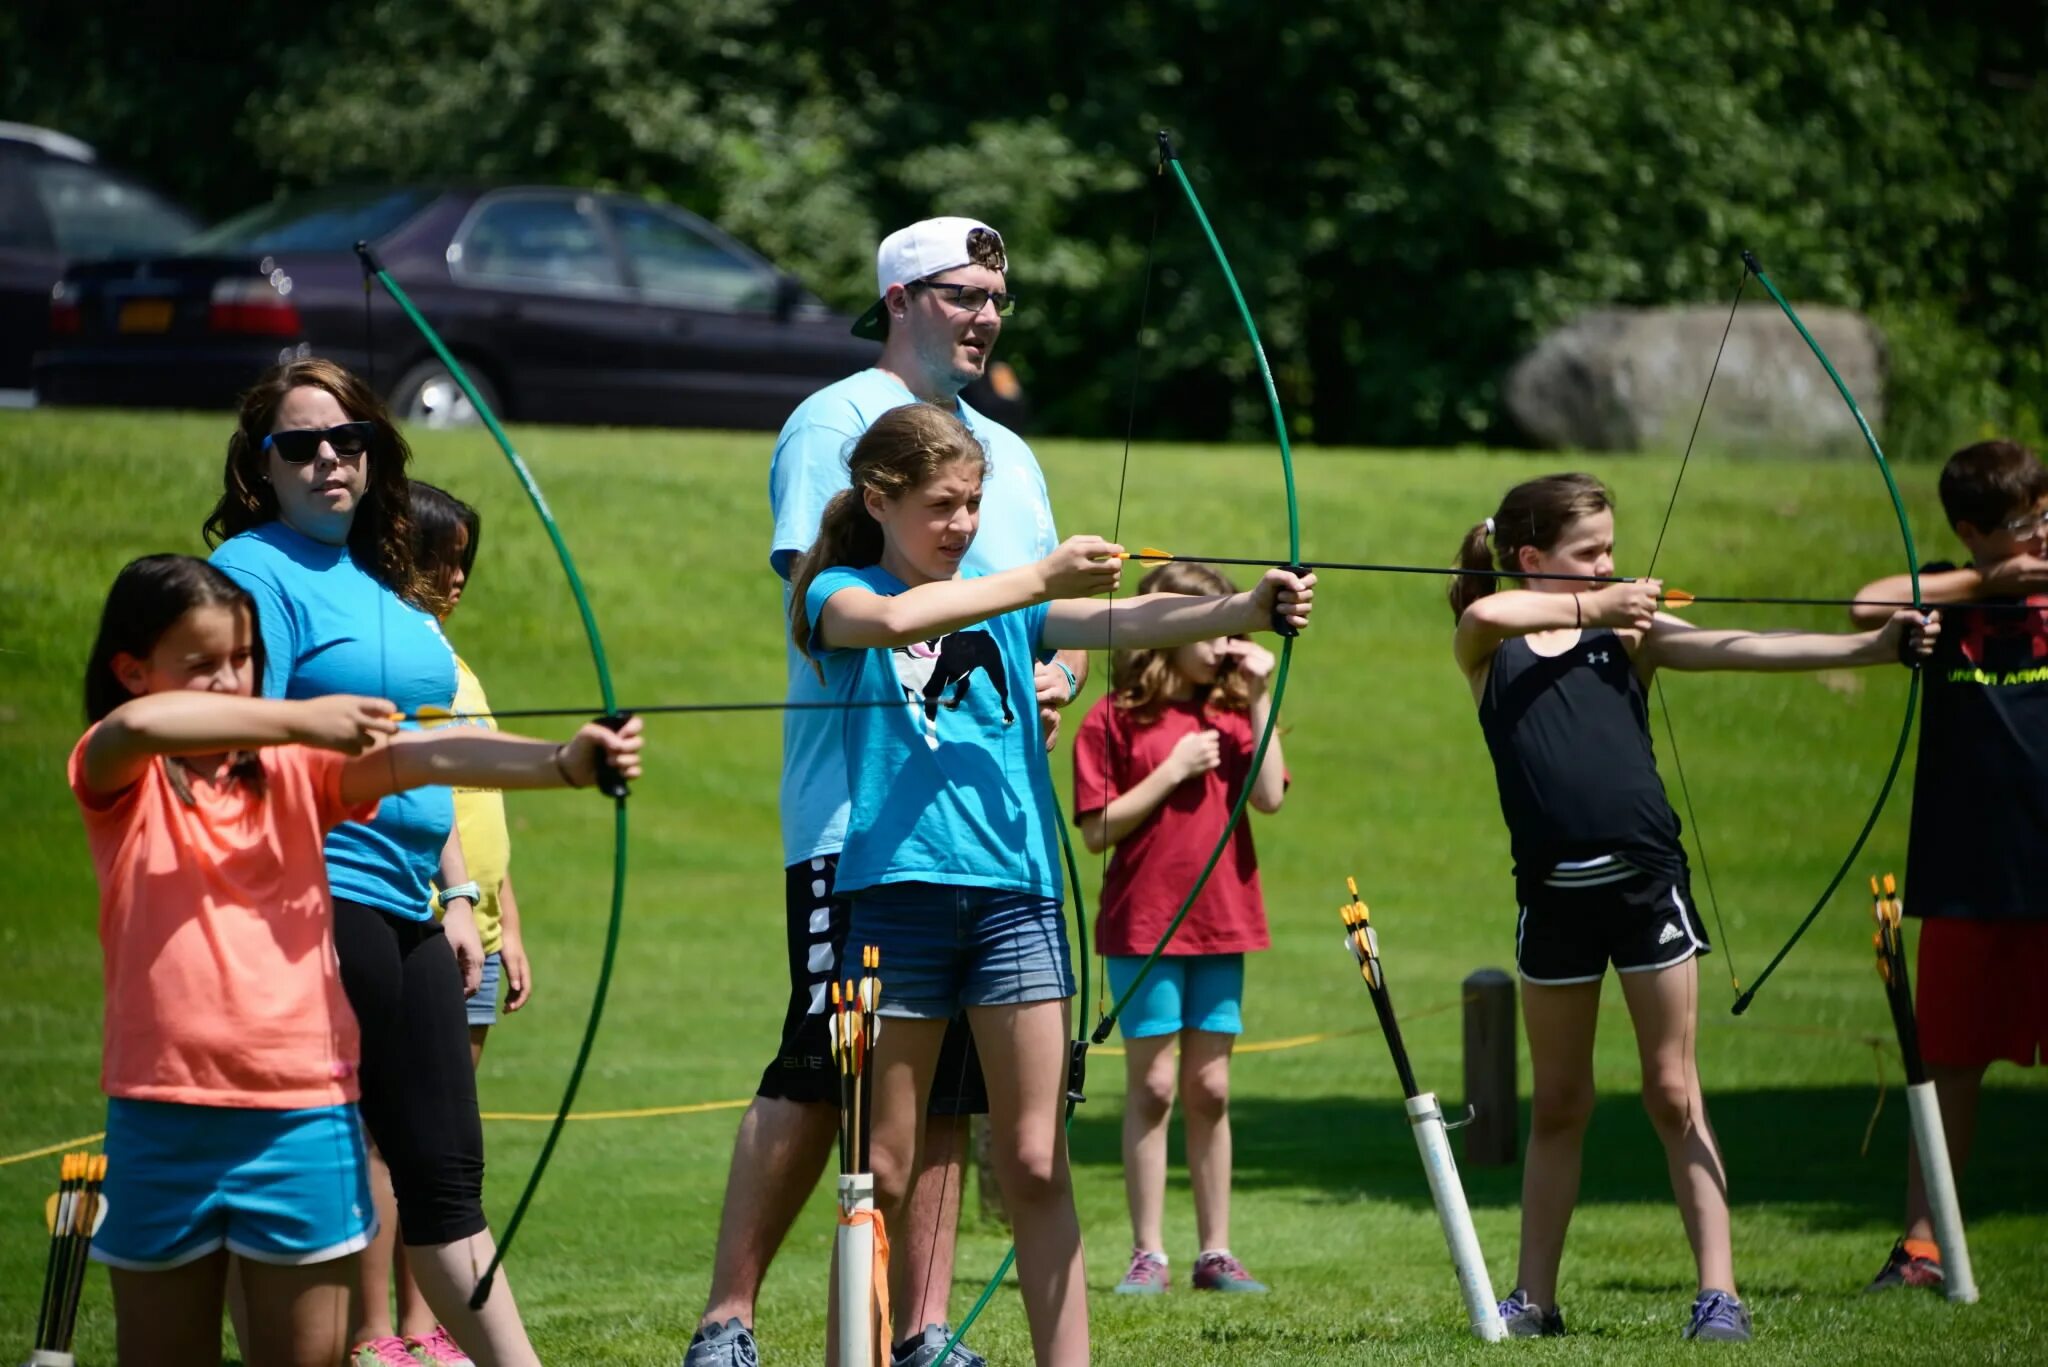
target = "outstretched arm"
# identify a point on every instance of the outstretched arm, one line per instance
(1675, 644)
(1157, 620)
(469, 757)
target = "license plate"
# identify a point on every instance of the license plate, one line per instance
(146, 315)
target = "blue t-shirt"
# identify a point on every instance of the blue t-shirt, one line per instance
(329, 627)
(808, 469)
(952, 786)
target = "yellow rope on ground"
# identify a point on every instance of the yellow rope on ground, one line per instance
(1271, 1046)
(53, 1148)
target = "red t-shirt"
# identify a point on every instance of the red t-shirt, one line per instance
(1155, 865)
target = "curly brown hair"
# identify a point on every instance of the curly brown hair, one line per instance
(1143, 682)
(380, 537)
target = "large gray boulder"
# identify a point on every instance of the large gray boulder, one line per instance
(1631, 379)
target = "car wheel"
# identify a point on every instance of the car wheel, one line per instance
(428, 396)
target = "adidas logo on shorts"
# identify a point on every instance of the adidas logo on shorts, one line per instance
(1669, 933)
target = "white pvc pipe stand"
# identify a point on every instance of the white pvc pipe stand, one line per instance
(1427, 1119)
(856, 1245)
(1940, 1180)
(49, 1357)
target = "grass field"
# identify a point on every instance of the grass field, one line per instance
(1391, 784)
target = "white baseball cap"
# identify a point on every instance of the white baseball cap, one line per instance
(916, 253)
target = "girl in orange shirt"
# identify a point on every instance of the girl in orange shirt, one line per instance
(230, 1048)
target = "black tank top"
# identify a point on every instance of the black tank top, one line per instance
(1570, 737)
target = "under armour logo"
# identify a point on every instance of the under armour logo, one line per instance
(1598, 657)
(1669, 933)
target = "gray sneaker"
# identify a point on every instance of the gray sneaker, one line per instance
(924, 1350)
(1718, 1317)
(723, 1345)
(1526, 1321)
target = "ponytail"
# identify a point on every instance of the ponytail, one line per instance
(846, 536)
(1476, 556)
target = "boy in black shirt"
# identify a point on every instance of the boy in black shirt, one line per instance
(1977, 856)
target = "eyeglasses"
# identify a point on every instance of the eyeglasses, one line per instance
(2033, 524)
(297, 445)
(970, 298)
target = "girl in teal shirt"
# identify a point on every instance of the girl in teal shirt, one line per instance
(949, 860)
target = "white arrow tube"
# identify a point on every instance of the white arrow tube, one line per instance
(1431, 1138)
(856, 1247)
(1940, 1180)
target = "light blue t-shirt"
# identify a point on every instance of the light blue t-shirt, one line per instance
(953, 786)
(329, 627)
(808, 469)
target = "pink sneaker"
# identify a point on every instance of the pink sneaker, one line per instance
(384, 1352)
(438, 1347)
(1147, 1275)
(1218, 1271)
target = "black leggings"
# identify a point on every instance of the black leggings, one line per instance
(418, 1085)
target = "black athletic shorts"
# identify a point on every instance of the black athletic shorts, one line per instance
(1584, 915)
(802, 1069)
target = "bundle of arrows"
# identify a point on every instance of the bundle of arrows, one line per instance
(74, 1215)
(1432, 1138)
(1929, 1138)
(863, 1242)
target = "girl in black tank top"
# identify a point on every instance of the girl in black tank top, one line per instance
(1560, 669)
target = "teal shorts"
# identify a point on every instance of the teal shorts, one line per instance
(1182, 992)
(285, 1187)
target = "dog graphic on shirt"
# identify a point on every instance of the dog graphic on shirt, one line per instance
(926, 670)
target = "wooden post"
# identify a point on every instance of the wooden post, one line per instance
(1493, 1137)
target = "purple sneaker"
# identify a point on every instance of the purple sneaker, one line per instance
(1218, 1271)
(1718, 1317)
(1147, 1275)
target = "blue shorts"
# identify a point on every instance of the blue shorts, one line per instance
(946, 948)
(483, 1007)
(286, 1187)
(1182, 992)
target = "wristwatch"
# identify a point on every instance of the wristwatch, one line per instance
(470, 890)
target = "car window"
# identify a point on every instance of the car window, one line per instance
(535, 241)
(675, 261)
(23, 227)
(93, 213)
(329, 221)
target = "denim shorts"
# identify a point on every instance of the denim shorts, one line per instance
(1182, 992)
(483, 1007)
(287, 1187)
(945, 948)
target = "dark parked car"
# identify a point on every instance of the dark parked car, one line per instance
(58, 204)
(564, 306)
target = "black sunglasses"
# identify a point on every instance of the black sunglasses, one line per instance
(297, 445)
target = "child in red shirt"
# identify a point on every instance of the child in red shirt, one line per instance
(231, 1050)
(1158, 765)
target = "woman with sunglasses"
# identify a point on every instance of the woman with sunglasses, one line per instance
(315, 521)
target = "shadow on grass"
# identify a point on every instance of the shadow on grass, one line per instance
(1794, 1147)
